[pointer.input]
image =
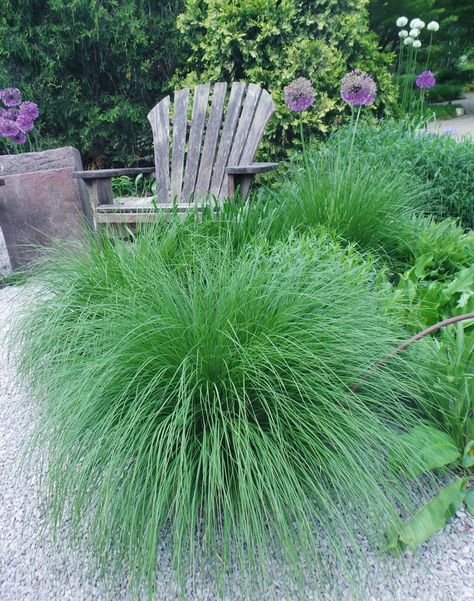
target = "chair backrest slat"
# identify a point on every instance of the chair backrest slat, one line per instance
(264, 111)
(201, 98)
(213, 129)
(159, 118)
(180, 124)
(226, 133)
(245, 123)
(233, 112)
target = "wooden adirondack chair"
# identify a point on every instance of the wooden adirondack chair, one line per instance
(211, 157)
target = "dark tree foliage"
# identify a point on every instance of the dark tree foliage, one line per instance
(95, 67)
(456, 18)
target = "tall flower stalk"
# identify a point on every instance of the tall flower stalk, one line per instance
(358, 89)
(410, 44)
(299, 97)
(432, 27)
(425, 81)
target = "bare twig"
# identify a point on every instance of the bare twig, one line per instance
(404, 345)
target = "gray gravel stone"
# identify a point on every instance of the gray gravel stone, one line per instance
(32, 569)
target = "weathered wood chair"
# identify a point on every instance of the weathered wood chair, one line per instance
(211, 155)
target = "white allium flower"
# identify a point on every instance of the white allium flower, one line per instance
(416, 23)
(433, 26)
(417, 44)
(402, 21)
(403, 33)
(408, 41)
(421, 24)
(414, 33)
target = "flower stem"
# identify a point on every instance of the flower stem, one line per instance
(303, 145)
(429, 51)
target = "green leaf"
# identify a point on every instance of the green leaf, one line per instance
(427, 448)
(468, 457)
(469, 500)
(434, 515)
(421, 265)
(463, 282)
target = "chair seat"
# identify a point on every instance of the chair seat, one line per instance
(131, 209)
(137, 204)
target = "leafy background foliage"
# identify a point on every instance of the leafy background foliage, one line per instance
(93, 67)
(273, 43)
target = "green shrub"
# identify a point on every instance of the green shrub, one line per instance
(444, 92)
(94, 68)
(445, 165)
(274, 43)
(464, 76)
(194, 395)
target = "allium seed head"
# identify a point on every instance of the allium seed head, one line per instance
(24, 122)
(299, 95)
(425, 80)
(358, 88)
(8, 128)
(29, 109)
(10, 96)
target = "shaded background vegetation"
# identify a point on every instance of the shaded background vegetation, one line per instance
(95, 67)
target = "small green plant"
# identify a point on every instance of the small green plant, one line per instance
(199, 393)
(138, 186)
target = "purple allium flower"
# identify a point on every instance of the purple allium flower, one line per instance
(29, 109)
(358, 88)
(11, 114)
(8, 128)
(19, 138)
(299, 95)
(426, 79)
(25, 123)
(10, 96)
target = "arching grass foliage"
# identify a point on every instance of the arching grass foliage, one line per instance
(198, 394)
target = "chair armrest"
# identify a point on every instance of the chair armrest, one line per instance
(252, 169)
(108, 173)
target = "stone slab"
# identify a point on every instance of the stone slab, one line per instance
(40, 202)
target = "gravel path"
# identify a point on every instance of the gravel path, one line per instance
(31, 569)
(458, 127)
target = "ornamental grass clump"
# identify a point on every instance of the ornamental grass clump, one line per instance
(196, 399)
(361, 198)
